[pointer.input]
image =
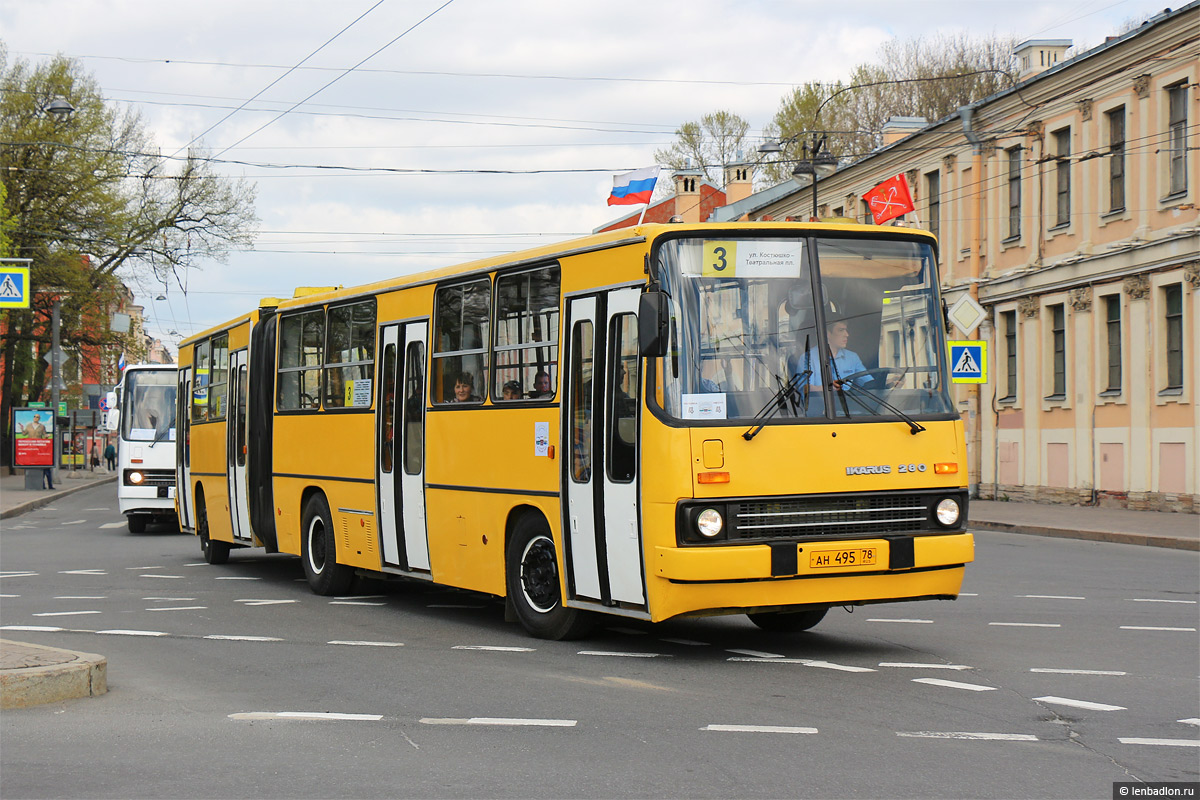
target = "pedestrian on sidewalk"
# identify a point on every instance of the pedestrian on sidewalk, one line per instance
(110, 456)
(95, 458)
(48, 478)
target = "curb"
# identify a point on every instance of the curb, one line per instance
(25, 508)
(1095, 536)
(63, 675)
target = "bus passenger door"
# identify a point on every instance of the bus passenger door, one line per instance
(183, 450)
(600, 426)
(400, 466)
(235, 448)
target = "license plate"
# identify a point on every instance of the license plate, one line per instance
(848, 557)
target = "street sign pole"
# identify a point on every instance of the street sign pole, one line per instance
(55, 371)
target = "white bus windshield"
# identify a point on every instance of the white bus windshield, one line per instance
(148, 406)
(750, 318)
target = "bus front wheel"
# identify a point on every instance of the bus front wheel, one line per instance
(784, 622)
(136, 523)
(318, 551)
(532, 578)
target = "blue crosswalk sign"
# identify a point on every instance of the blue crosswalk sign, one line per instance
(14, 287)
(968, 361)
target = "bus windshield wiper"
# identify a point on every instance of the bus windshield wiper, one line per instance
(778, 402)
(914, 426)
(159, 436)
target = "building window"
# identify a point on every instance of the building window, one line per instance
(1112, 323)
(1058, 347)
(1014, 193)
(933, 189)
(1008, 321)
(1173, 303)
(1116, 159)
(1062, 172)
(460, 353)
(1177, 128)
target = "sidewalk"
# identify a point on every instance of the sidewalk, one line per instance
(15, 499)
(1153, 528)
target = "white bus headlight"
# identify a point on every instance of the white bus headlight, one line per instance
(709, 522)
(136, 478)
(948, 512)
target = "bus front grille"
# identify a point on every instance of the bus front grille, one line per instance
(829, 516)
(154, 477)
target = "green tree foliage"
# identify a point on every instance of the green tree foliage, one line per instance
(93, 184)
(717, 139)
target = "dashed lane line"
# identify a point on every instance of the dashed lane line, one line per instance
(806, 662)
(307, 715)
(1159, 600)
(1084, 704)
(967, 735)
(29, 628)
(80, 572)
(366, 644)
(1162, 742)
(136, 569)
(243, 638)
(178, 608)
(65, 613)
(758, 729)
(109, 525)
(754, 653)
(616, 654)
(1076, 671)
(149, 575)
(1155, 628)
(502, 721)
(74, 522)
(923, 666)
(355, 603)
(1026, 624)
(909, 621)
(971, 687)
(493, 648)
(122, 632)
(252, 602)
(1190, 721)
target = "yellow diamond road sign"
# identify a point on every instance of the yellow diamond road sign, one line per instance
(14, 287)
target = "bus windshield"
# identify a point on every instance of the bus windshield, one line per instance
(148, 400)
(750, 318)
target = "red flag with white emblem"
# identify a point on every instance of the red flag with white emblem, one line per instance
(890, 199)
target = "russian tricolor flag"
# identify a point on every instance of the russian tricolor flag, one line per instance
(634, 187)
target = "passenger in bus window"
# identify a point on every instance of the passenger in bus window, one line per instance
(512, 390)
(541, 385)
(464, 388)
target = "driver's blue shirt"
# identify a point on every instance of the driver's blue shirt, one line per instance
(841, 366)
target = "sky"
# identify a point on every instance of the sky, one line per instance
(520, 111)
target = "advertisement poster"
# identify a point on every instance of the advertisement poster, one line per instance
(33, 443)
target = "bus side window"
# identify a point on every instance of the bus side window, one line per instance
(461, 314)
(414, 407)
(581, 403)
(623, 391)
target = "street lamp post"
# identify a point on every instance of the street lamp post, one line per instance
(817, 163)
(60, 109)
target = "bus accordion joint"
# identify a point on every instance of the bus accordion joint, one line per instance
(945, 467)
(712, 477)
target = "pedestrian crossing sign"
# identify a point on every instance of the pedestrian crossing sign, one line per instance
(14, 287)
(968, 362)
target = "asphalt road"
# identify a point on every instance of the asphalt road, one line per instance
(1067, 666)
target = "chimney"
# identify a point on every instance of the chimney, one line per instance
(687, 193)
(896, 128)
(1038, 55)
(739, 180)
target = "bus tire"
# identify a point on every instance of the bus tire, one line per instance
(788, 622)
(318, 551)
(214, 552)
(136, 523)
(533, 583)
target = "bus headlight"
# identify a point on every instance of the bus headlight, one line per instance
(710, 523)
(136, 478)
(948, 512)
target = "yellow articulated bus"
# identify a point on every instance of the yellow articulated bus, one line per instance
(665, 421)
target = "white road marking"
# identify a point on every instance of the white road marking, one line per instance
(1051, 597)
(238, 578)
(1153, 628)
(688, 642)
(169, 599)
(311, 715)
(547, 723)
(119, 632)
(1090, 706)
(1190, 721)
(1157, 600)
(112, 525)
(1076, 671)
(9, 595)
(81, 572)
(11, 574)
(367, 644)
(74, 522)
(911, 621)
(493, 648)
(971, 687)
(755, 653)
(353, 603)
(64, 613)
(620, 655)
(358, 596)
(81, 597)
(838, 667)
(250, 602)
(148, 575)
(160, 566)
(758, 729)
(807, 662)
(1164, 742)
(1026, 624)
(923, 666)
(988, 737)
(41, 628)
(243, 638)
(968, 594)
(177, 608)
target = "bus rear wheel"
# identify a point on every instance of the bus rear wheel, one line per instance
(318, 551)
(788, 622)
(214, 552)
(533, 584)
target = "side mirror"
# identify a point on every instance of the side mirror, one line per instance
(653, 315)
(112, 418)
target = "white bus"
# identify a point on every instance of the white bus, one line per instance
(145, 407)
